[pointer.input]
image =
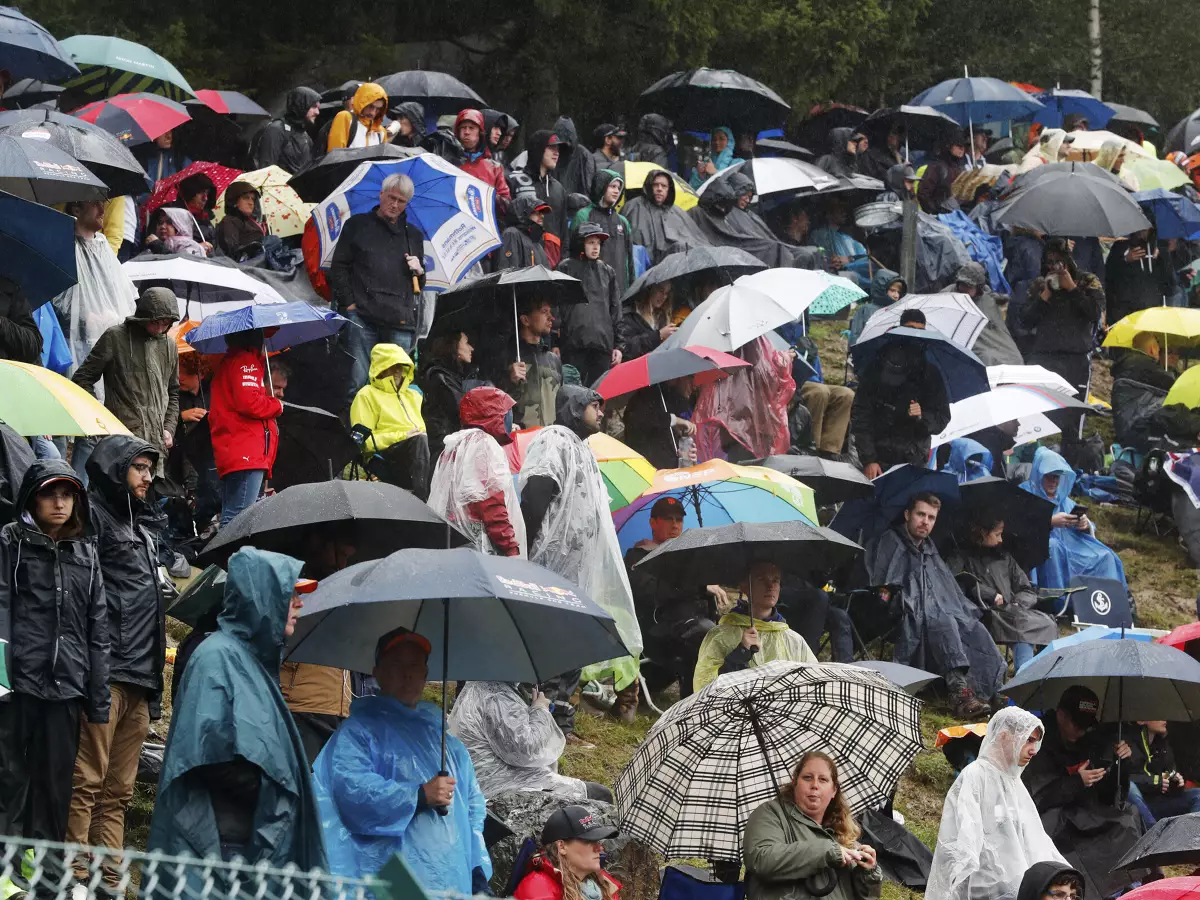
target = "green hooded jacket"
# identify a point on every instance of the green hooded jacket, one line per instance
(617, 251)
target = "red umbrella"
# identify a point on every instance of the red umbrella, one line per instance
(135, 118)
(1182, 636)
(1167, 889)
(229, 103)
(663, 364)
(167, 189)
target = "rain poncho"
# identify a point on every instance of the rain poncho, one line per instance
(664, 229)
(514, 746)
(722, 160)
(367, 781)
(722, 224)
(102, 297)
(750, 407)
(990, 832)
(185, 226)
(1072, 552)
(968, 460)
(776, 642)
(471, 469)
(837, 243)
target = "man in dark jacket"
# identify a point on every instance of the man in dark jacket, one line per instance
(588, 329)
(410, 116)
(654, 141)
(534, 379)
(54, 617)
(543, 156)
(1143, 363)
(524, 243)
(576, 165)
(935, 193)
(20, 339)
(841, 161)
(285, 142)
(995, 345)
(658, 224)
(376, 277)
(120, 471)
(656, 417)
(608, 139)
(606, 192)
(1136, 275)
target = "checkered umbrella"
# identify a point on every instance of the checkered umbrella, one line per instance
(714, 757)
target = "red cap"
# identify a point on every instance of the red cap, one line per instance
(305, 586)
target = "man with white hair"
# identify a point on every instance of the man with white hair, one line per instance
(377, 276)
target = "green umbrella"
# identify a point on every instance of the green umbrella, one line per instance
(109, 66)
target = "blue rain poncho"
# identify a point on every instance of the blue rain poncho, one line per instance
(968, 460)
(367, 783)
(1072, 552)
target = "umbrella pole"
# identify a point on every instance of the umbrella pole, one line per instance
(516, 324)
(443, 771)
(670, 428)
(267, 363)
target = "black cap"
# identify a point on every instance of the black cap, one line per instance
(1081, 704)
(666, 507)
(574, 823)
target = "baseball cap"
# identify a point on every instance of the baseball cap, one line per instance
(666, 507)
(574, 823)
(542, 207)
(305, 585)
(1081, 704)
(398, 636)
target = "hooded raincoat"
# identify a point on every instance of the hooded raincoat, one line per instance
(722, 160)
(238, 234)
(548, 188)
(285, 142)
(102, 297)
(1040, 876)
(355, 129)
(392, 413)
(1072, 552)
(877, 299)
(968, 460)
(722, 224)
(778, 642)
(231, 681)
(415, 114)
(749, 408)
(661, 229)
(479, 162)
(591, 325)
(523, 243)
(576, 165)
(990, 832)
(653, 141)
(368, 782)
(839, 161)
(617, 251)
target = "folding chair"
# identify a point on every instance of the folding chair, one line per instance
(1103, 601)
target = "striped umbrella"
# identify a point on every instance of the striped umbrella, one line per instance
(109, 66)
(135, 118)
(626, 472)
(34, 400)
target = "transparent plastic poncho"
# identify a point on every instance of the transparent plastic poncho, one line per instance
(472, 468)
(101, 298)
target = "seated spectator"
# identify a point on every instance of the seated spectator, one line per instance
(570, 865)
(524, 241)
(828, 405)
(656, 420)
(514, 741)
(198, 195)
(1051, 881)
(1003, 587)
(1074, 782)
(1156, 787)
(534, 379)
(995, 345)
(968, 460)
(847, 257)
(174, 230)
(646, 322)
(886, 288)
(240, 234)
(752, 633)
(1144, 363)
(1074, 548)
(389, 407)
(446, 373)
(719, 157)
(939, 629)
(658, 224)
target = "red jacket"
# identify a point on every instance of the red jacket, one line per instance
(544, 882)
(241, 415)
(490, 172)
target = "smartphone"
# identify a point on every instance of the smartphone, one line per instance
(1079, 511)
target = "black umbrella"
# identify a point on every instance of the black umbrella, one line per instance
(29, 50)
(923, 126)
(727, 262)
(29, 92)
(1075, 202)
(823, 118)
(313, 444)
(911, 679)
(769, 147)
(1185, 135)
(100, 152)
(34, 170)
(862, 520)
(1130, 115)
(320, 180)
(1026, 517)
(1171, 842)
(440, 94)
(831, 481)
(702, 99)
(205, 593)
(377, 516)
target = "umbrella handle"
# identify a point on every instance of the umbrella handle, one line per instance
(443, 810)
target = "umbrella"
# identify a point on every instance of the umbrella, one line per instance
(471, 303)
(1026, 517)
(1003, 403)
(1072, 202)
(285, 212)
(1174, 215)
(1179, 322)
(626, 472)
(135, 118)
(1131, 115)
(204, 287)
(294, 323)
(1182, 636)
(778, 175)
(967, 100)
(1185, 390)
(1051, 171)
(718, 493)
(455, 211)
(28, 50)
(862, 520)
(376, 517)
(1155, 173)
(30, 92)
(203, 594)
(634, 175)
(34, 170)
(718, 754)
(34, 400)
(313, 444)
(1095, 633)
(831, 481)
(1174, 841)
(777, 147)
(100, 152)
(923, 126)
(730, 262)
(954, 315)
(961, 369)
(228, 103)
(663, 364)
(440, 94)
(1166, 889)
(912, 680)
(166, 190)
(37, 248)
(321, 179)
(704, 98)
(1060, 102)
(822, 118)
(1185, 135)
(110, 66)
(1134, 680)
(1035, 376)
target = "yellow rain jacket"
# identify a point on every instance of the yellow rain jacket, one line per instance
(393, 414)
(777, 642)
(366, 132)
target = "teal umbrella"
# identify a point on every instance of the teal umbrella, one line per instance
(109, 66)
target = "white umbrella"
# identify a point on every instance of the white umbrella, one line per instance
(203, 287)
(1038, 376)
(778, 175)
(954, 315)
(1006, 403)
(1034, 428)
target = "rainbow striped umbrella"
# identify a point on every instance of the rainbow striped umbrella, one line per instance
(34, 400)
(626, 472)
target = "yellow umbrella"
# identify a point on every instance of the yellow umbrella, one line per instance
(1155, 173)
(626, 472)
(1185, 390)
(285, 212)
(1176, 321)
(34, 400)
(635, 177)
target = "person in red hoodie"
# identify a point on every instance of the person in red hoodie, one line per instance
(477, 159)
(241, 417)
(568, 867)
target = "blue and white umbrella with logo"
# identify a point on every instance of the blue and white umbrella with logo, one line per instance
(455, 211)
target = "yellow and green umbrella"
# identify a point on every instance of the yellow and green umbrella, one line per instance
(110, 65)
(1175, 321)
(285, 212)
(1185, 390)
(626, 472)
(34, 400)
(1155, 173)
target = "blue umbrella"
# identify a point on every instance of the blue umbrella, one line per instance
(861, 520)
(297, 322)
(1175, 216)
(1060, 102)
(965, 375)
(968, 100)
(1095, 633)
(29, 51)
(37, 248)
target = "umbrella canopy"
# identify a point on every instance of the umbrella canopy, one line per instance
(1072, 202)
(911, 680)
(453, 210)
(961, 369)
(377, 518)
(229, 103)
(34, 400)
(923, 126)
(861, 520)
(440, 94)
(1174, 215)
(832, 481)
(135, 118)
(37, 248)
(1026, 517)
(1185, 135)
(205, 593)
(634, 175)
(285, 212)
(1174, 841)
(203, 287)
(488, 618)
(1050, 171)
(728, 262)
(101, 153)
(626, 472)
(1095, 633)
(1003, 403)
(29, 92)
(109, 66)
(313, 444)
(1060, 102)
(1085, 146)
(769, 147)
(494, 298)
(718, 754)
(701, 99)
(817, 292)
(1035, 376)
(968, 100)
(1131, 115)
(1166, 889)
(296, 322)
(28, 50)
(1184, 637)
(1155, 173)
(321, 179)
(778, 175)
(35, 170)
(663, 364)
(954, 315)
(1179, 322)
(821, 118)
(166, 190)
(1185, 390)
(1134, 680)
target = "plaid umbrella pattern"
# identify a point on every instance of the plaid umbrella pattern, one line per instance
(714, 757)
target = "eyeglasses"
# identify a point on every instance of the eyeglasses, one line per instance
(142, 468)
(1062, 894)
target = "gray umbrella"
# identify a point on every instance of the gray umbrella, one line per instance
(1075, 202)
(913, 680)
(99, 151)
(34, 170)
(1171, 842)
(728, 262)
(831, 481)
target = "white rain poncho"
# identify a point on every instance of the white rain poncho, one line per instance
(514, 746)
(471, 469)
(991, 832)
(102, 297)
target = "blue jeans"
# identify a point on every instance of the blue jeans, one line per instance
(80, 453)
(44, 447)
(239, 490)
(361, 338)
(1022, 653)
(1161, 806)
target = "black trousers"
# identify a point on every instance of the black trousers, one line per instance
(590, 363)
(38, 743)
(315, 731)
(405, 464)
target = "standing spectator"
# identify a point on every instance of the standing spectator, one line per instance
(533, 381)
(242, 418)
(576, 167)
(588, 329)
(607, 190)
(1136, 275)
(654, 141)
(377, 278)
(570, 863)
(445, 375)
(121, 470)
(240, 234)
(609, 140)
(410, 117)
(477, 160)
(285, 142)
(995, 345)
(54, 617)
(657, 417)
(362, 124)
(646, 322)
(542, 150)
(20, 339)
(389, 407)
(524, 242)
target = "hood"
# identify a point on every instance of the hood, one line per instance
(972, 273)
(193, 185)
(523, 204)
(897, 177)
(718, 198)
(740, 184)
(878, 291)
(383, 357)
(564, 127)
(44, 470)
(368, 92)
(486, 408)
(650, 180)
(535, 147)
(838, 139)
(415, 113)
(109, 464)
(299, 102)
(258, 591)
(655, 129)
(1040, 876)
(1007, 733)
(156, 303)
(182, 219)
(1047, 462)
(470, 115)
(600, 182)
(236, 190)
(572, 400)
(969, 460)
